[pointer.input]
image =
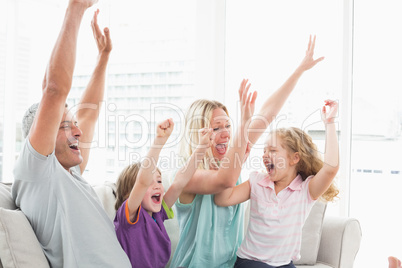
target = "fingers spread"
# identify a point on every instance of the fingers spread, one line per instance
(318, 60)
(241, 89)
(254, 97)
(94, 24)
(313, 44)
(245, 93)
(309, 44)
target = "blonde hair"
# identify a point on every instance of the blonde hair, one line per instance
(125, 183)
(199, 116)
(296, 140)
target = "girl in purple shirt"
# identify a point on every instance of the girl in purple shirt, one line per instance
(140, 197)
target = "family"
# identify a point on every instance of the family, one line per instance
(207, 191)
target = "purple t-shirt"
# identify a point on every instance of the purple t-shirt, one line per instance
(145, 241)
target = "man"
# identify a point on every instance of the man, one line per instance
(63, 209)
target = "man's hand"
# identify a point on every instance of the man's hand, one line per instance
(103, 42)
(86, 3)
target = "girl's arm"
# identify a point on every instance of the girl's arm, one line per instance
(148, 167)
(233, 196)
(215, 181)
(274, 103)
(323, 179)
(187, 171)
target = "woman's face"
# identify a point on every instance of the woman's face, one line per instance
(221, 133)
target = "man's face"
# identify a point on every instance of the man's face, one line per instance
(67, 150)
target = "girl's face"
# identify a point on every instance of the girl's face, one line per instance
(277, 159)
(152, 201)
(221, 133)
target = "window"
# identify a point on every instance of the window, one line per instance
(23, 58)
(154, 52)
(267, 44)
(376, 169)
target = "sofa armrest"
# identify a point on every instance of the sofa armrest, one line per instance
(340, 241)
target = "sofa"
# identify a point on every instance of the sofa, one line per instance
(326, 241)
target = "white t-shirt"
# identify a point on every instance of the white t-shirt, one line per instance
(276, 221)
(65, 213)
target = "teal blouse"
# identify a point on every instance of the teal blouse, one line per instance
(209, 234)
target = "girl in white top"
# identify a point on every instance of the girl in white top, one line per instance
(281, 200)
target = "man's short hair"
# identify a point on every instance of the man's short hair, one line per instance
(29, 117)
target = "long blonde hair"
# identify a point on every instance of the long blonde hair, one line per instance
(199, 116)
(125, 183)
(296, 140)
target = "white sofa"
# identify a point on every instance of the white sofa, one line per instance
(327, 241)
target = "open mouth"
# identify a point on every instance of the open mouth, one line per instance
(156, 198)
(221, 148)
(74, 146)
(270, 167)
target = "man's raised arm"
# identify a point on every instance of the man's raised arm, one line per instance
(58, 79)
(90, 103)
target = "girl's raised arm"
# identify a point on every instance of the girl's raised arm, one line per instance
(323, 179)
(274, 103)
(148, 167)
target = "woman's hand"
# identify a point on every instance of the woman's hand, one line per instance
(308, 62)
(247, 102)
(204, 138)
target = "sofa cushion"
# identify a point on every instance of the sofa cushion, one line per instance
(311, 235)
(6, 200)
(19, 246)
(107, 194)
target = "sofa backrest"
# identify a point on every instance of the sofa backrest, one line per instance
(19, 246)
(5, 196)
(107, 193)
